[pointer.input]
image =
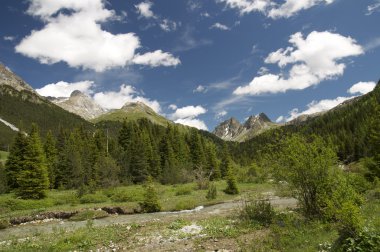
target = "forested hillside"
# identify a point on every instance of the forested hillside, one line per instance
(347, 126)
(22, 108)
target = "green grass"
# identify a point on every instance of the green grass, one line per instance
(127, 197)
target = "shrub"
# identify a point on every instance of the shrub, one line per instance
(366, 240)
(260, 211)
(212, 192)
(231, 183)
(4, 223)
(93, 198)
(185, 205)
(150, 203)
(183, 191)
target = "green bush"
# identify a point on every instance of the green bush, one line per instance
(66, 198)
(212, 192)
(89, 215)
(259, 211)
(367, 240)
(187, 204)
(19, 204)
(183, 191)
(4, 223)
(93, 198)
(150, 203)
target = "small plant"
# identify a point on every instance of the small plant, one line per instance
(89, 215)
(93, 198)
(150, 203)
(231, 183)
(4, 223)
(185, 205)
(366, 240)
(178, 224)
(260, 211)
(183, 191)
(212, 192)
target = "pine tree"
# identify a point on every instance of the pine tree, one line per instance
(51, 157)
(150, 203)
(16, 160)
(33, 178)
(231, 182)
(3, 179)
(225, 161)
(196, 150)
(139, 164)
(212, 165)
(107, 172)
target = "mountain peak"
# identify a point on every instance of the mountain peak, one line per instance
(137, 107)
(7, 77)
(77, 93)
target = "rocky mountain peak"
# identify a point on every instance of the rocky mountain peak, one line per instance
(228, 129)
(7, 77)
(256, 121)
(137, 107)
(80, 104)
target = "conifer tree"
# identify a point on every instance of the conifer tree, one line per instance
(3, 179)
(107, 172)
(51, 157)
(225, 161)
(212, 165)
(16, 160)
(196, 150)
(150, 203)
(231, 182)
(139, 163)
(33, 178)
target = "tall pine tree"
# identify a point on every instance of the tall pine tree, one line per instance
(33, 178)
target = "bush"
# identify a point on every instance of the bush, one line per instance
(66, 198)
(367, 240)
(187, 204)
(183, 191)
(4, 223)
(212, 192)
(93, 198)
(150, 203)
(260, 211)
(231, 183)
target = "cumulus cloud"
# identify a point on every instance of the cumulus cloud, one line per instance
(219, 26)
(77, 37)
(64, 89)
(144, 9)
(156, 58)
(271, 8)
(127, 93)
(173, 106)
(327, 104)
(188, 116)
(311, 60)
(362, 88)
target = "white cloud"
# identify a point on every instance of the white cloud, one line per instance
(292, 7)
(77, 38)
(247, 6)
(64, 89)
(327, 104)
(9, 38)
(362, 88)
(263, 71)
(312, 60)
(127, 93)
(173, 106)
(373, 7)
(168, 25)
(220, 114)
(280, 119)
(200, 89)
(156, 58)
(188, 116)
(271, 8)
(144, 9)
(196, 123)
(205, 14)
(374, 43)
(220, 26)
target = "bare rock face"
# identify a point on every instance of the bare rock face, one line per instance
(7, 77)
(233, 130)
(80, 104)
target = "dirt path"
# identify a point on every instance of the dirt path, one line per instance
(198, 213)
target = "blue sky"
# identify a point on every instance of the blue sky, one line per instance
(197, 62)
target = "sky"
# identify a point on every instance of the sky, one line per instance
(197, 62)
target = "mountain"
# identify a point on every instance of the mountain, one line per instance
(233, 130)
(20, 106)
(133, 111)
(80, 104)
(348, 126)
